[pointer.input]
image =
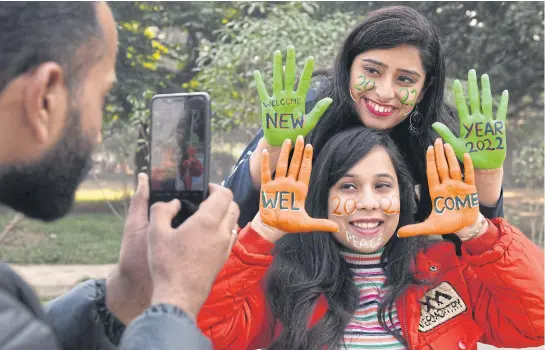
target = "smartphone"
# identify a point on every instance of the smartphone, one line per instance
(179, 141)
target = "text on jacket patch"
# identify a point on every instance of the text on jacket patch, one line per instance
(439, 305)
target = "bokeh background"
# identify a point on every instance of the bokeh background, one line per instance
(167, 47)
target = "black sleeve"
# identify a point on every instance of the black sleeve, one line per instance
(163, 327)
(495, 211)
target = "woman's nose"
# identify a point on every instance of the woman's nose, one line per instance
(385, 91)
(367, 202)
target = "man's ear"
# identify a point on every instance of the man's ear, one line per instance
(46, 102)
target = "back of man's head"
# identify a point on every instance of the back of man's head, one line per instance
(43, 31)
(57, 63)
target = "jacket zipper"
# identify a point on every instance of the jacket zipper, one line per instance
(406, 331)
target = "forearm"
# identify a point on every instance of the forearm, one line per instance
(255, 161)
(489, 184)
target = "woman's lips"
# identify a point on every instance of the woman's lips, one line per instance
(366, 230)
(378, 110)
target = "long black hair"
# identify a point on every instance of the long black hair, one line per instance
(307, 265)
(383, 29)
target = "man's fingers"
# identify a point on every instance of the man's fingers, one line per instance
(162, 214)
(306, 165)
(290, 69)
(454, 167)
(229, 222)
(140, 199)
(265, 167)
(282, 164)
(440, 160)
(217, 202)
(295, 163)
(461, 104)
(278, 83)
(425, 228)
(469, 178)
(473, 92)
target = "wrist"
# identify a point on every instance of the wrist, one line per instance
(488, 183)
(271, 234)
(478, 228)
(178, 299)
(124, 298)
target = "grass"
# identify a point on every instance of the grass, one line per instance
(85, 238)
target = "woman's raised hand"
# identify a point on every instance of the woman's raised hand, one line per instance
(282, 203)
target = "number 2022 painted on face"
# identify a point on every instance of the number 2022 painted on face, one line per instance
(364, 84)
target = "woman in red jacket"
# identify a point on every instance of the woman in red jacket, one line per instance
(353, 282)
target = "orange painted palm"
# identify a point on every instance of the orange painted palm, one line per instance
(282, 203)
(454, 201)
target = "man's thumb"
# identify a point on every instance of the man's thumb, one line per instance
(161, 214)
(140, 198)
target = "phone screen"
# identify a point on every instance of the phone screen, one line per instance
(179, 151)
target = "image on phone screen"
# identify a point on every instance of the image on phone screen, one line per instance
(178, 144)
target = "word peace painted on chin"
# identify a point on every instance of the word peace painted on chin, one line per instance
(408, 96)
(364, 84)
(346, 211)
(279, 200)
(283, 102)
(285, 121)
(364, 243)
(440, 204)
(489, 130)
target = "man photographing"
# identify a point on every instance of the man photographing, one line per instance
(58, 65)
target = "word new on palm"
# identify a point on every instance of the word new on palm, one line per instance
(285, 121)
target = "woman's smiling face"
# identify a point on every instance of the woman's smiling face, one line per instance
(356, 203)
(397, 80)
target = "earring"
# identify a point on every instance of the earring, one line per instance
(350, 92)
(416, 122)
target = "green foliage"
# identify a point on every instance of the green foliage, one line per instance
(528, 165)
(247, 44)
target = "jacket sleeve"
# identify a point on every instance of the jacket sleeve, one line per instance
(163, 327)
(494, 211)
(505, 277)
(20, 329)
(235, 315)
(82, 321)
(240, 183)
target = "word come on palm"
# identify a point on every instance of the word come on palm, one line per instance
(282, 203)
(454, 201)
(283, 113)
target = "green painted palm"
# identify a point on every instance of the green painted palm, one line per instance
(283, 114)
(482, 136)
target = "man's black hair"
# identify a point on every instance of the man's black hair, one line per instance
(32, 33)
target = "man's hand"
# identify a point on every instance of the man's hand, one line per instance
(128, 288)
(283, 114)
(185, 261)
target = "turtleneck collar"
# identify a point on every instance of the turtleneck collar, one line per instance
(362, 260)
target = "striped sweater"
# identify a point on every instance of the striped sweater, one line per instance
(364, 331)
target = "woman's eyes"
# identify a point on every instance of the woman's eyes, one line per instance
(348, 186)
(371, 70)
(382, 185)
(406, 79)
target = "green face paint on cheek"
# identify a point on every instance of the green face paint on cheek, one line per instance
(408, 96)
(364, 84)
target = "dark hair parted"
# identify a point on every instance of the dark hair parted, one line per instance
(383, 29)
(47, 31)
(307, 265)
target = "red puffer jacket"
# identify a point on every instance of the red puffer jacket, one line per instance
(492, 294)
